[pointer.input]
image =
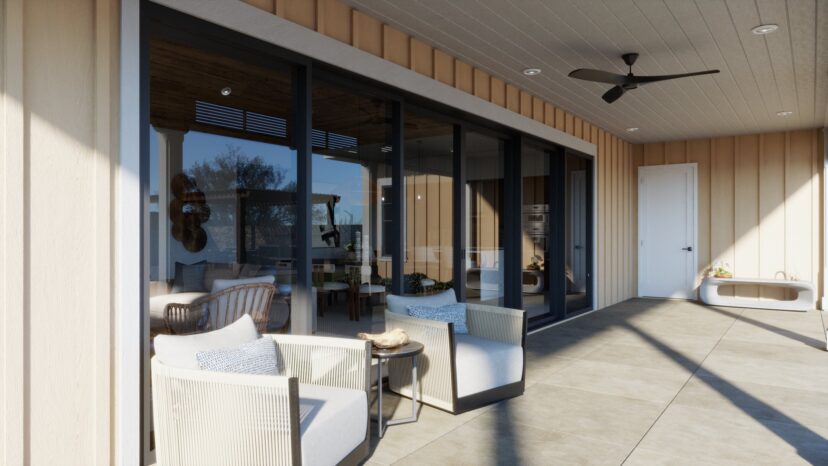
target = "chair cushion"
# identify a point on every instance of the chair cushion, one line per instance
(158, 303)
(333, 421)
(221, 285)
(255, 357)
(180, 350)
(454, 313)
(399, 304)
(189, 277)
(483, 364)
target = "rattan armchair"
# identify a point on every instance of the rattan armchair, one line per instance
(213, 418)
(438, 385)
(219, 309)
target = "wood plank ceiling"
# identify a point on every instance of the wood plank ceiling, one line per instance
(760, 75)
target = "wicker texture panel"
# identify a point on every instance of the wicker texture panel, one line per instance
(333, 362)
(433, 365)
(496, 323)
(222, 309)
(212, 418)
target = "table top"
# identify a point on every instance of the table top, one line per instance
(412, 348)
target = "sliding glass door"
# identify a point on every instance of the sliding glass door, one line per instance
(485, 216)
(578, 232)
(351, 203)
(535, 222)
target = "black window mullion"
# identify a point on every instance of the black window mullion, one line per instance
(302, 294)
(459, 211)
(556, 262)
(511, 218)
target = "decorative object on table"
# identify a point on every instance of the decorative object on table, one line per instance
(722, 269)
(391, 339)
(410, 351)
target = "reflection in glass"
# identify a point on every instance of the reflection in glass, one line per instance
(484, 219)
(576, 233)
(351, 197)
(428, 183)
(535, 217)
(222, 182)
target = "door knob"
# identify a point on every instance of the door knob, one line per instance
(688, 248)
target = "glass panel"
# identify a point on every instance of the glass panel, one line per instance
(220, 201)
(484, 220)
(578, 243)
(351, 191)
(222, 185)
(428, 182)
(535, 218)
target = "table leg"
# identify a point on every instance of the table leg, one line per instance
(379, 399)
(414, 387)
(414, 402)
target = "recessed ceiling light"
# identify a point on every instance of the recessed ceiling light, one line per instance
(632, 129)
(226, 91)
(532, 71)
(764, 29)
(784, 113)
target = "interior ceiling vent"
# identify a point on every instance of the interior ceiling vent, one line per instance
(241, 120)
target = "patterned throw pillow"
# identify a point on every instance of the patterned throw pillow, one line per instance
(454, 313)
(255, 357)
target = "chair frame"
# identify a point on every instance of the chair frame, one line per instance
(437, 363)
(196, 412)
(182, 319)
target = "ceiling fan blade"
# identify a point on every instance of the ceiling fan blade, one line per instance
(613, 94)
(652, 79)
(599, 76)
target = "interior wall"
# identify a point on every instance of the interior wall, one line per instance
(58, 121)
(760, 203)
(614, 168)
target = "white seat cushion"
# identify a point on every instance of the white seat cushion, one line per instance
(180, 350)
(158, 303)
(333, 421)
(484, 364)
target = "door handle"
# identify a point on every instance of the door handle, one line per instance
(688, 249)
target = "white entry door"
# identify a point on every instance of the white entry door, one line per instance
(579, 224)
(667, 231)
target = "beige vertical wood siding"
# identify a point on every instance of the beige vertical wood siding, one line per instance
(760, 204)
(58, 121)
(614, 162)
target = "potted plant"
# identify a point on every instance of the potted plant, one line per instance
(722, 270)
(537, 263)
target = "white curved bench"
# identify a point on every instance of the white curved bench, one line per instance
(805, 299)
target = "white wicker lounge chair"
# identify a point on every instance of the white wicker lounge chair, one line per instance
(460, 372)
(316, 414)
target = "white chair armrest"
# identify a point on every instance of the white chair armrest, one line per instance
(435, 362)
(496, 323)
(198, 414)
(329, 361)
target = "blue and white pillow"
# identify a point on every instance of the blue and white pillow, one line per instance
(454, 313)
(255, 357)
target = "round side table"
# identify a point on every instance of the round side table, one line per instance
(409, 350)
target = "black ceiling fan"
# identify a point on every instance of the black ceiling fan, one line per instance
(624, 83)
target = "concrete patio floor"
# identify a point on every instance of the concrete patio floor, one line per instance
(645, 382)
